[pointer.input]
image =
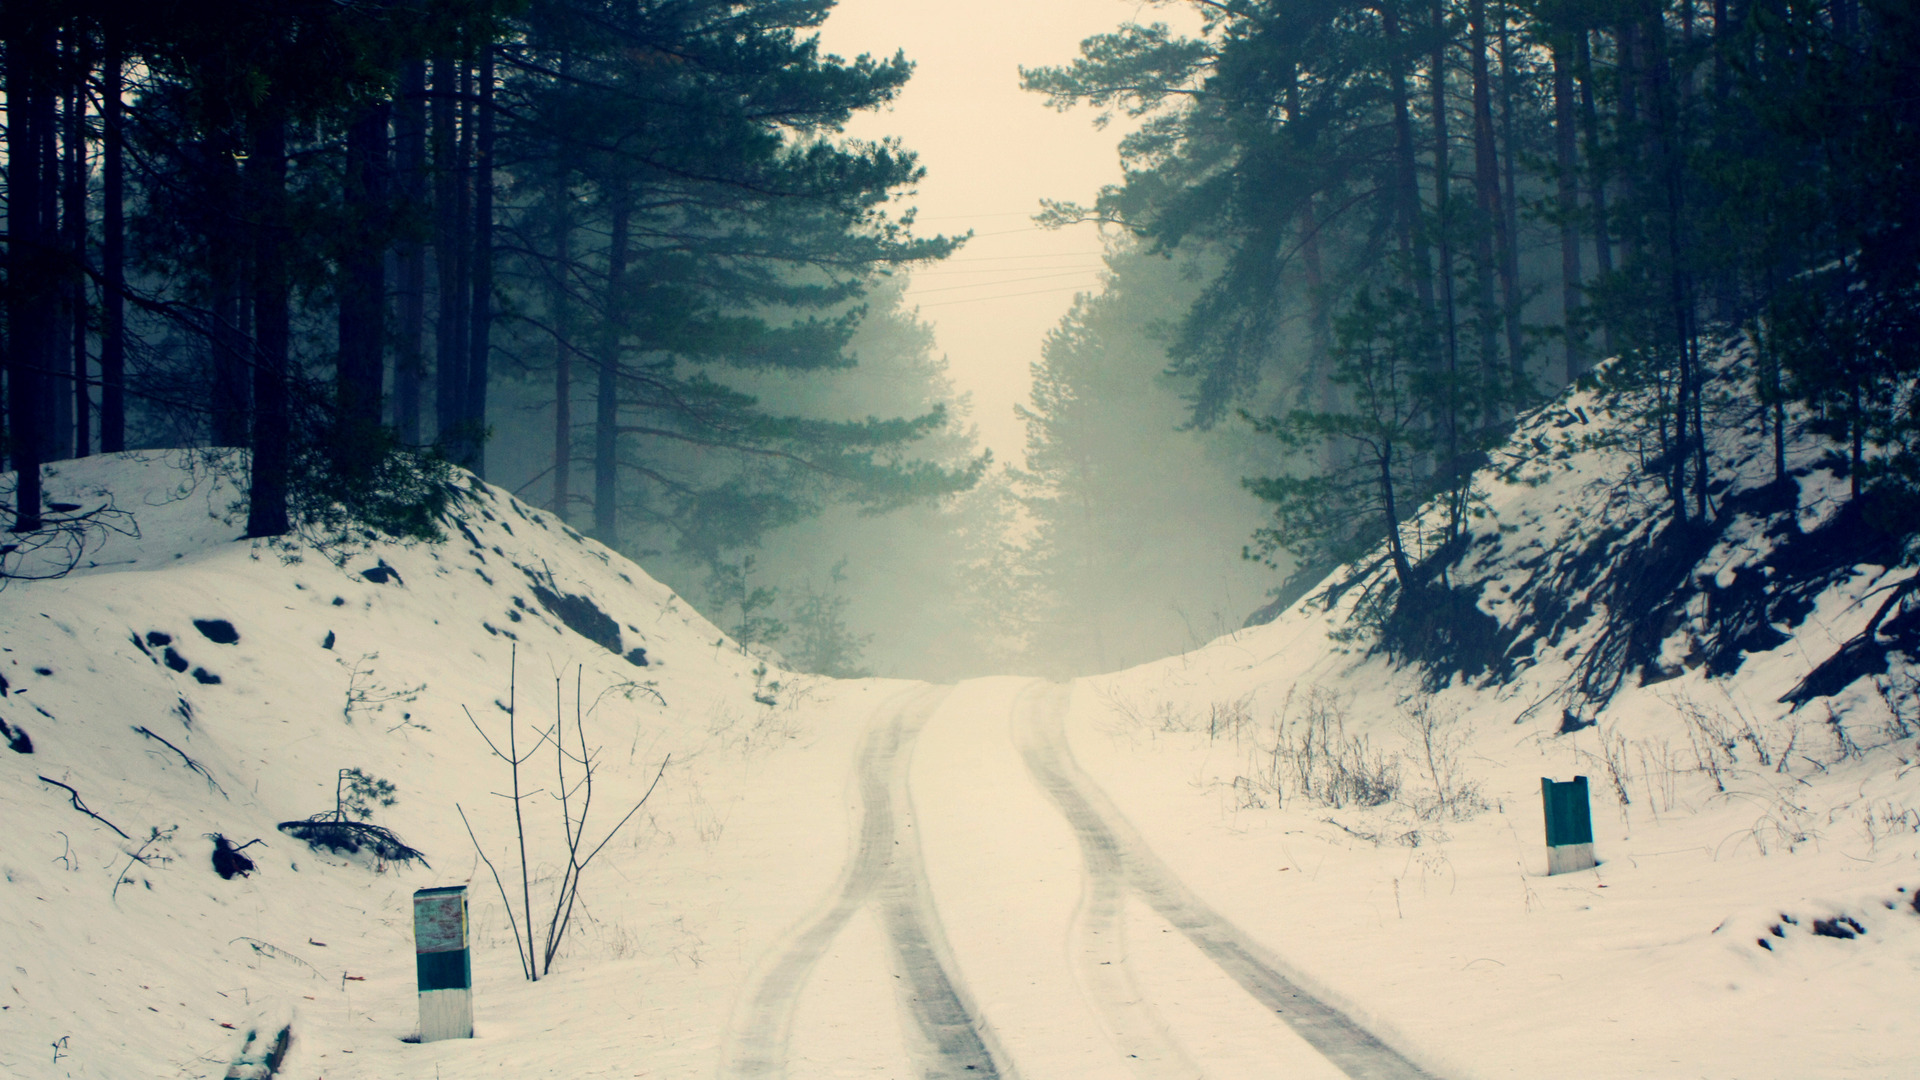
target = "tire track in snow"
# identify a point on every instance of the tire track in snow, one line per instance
(886, 872)
(1099, 945)
(1116, 852)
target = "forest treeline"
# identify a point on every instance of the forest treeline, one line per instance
(333, 234)
(620, 256)
(1405, 221)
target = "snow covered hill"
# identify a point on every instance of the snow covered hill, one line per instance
(1741, 696)
(182, 684)
(1365, 810)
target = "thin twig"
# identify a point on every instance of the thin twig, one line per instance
(82, 807)
(636, 809)
(508, 904)
(212, 784)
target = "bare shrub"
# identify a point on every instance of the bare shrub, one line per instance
(1901, 693)
(1438, 737)
(1613, 757)
(1161, 716)
(1713, 741)
(1659, 770)
(1230, 719)
(1317, 758)
(575, 798)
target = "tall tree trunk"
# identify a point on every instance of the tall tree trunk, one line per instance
(480, 338)
(1511, 296)
(266, 174)
(1402, 568)
(113, 258)
(559, 314)
(606, 421)
(29, 48)
(410, 261)
(1487, 223)
(1319, 314)
(228, 256)
(78, 438)
(1596, 175)
(1566, 165)
(362, 283)
(449, 252)
(56, 430)
(1450, 418)
(1413, 238)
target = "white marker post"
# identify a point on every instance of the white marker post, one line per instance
(443, 964)
(1569, 825)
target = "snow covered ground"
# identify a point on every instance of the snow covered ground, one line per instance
(1119, 877)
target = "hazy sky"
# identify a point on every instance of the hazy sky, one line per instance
(992, 151)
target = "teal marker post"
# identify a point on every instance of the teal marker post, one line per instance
(443, 963)
(1569, 825)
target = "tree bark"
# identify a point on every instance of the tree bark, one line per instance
(363, 280)
(228, 257)
(266, 174)
(1567, 165)
(30, 330)
(1413, 239)
(1449, 302)
(480, 337)
(1512, 298)
(113, 257)
(410, 262)
(1596, 175)
(449, 251)
(76, 430)
(1486, 190)
(559, 313)
(606, 427)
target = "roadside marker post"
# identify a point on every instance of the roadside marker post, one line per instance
(1569, 825)
(443, 963)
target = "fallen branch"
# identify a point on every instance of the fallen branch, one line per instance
(212, 784)
(82, 807)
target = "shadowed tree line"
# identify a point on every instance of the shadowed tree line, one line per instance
(1405, 221)
(326, 233)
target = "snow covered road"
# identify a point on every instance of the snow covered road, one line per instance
(1023, 926)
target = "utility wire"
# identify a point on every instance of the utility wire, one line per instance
(1008, 281)
(1008, 296)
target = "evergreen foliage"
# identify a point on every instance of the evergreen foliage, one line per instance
(335, 233)
(1425, 217)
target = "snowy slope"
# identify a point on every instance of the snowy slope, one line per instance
(333, 669)
(1729, 823)
(805, 828)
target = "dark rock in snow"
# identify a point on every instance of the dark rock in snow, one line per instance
(218, 631)
(328, 643)
(16, 737)
(174, 660)
(637, 657)
(157, 639)
(1840, 926)
(205, 678)
(382, 574)
(581, 615)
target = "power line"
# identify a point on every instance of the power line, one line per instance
(1008, 281)
(1084, 267)
(1008, 296)
(962, 217)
